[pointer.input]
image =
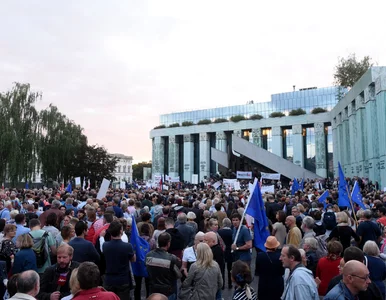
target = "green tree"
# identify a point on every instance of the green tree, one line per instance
(19, 121)
(349, 70)
(138, 169)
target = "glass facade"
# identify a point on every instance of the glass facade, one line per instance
(284, 102)
(329, 151)
(288, 147)
(309, 148)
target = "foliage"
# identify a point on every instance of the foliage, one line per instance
(160, 127)
(349, 70)
(187, 123)
(204, 122)
(256, 117)
(276, 114)
(174, 125)
(237, 118)
(138, 170)
(297, 112)
(46, 142)
(318, 110)
(220, 120)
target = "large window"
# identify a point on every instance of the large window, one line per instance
(309, 148)
(266, 139)
(288, 147)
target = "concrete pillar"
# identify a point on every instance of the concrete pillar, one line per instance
(173, 156)
(277, 141)
(158, 156)
(372, 139)
(221, 144)
(352, 123)
(359, 115)
(346, 144)
(320, 150)
(188, 157)
(335, 144)
(297, 137)
(255, 137)
(204, 156)
(380, 91)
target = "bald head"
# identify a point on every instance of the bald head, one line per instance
(353, 267)
(28, 283)
(356, 276)
(157, 296)
(290, 221)
(211, 238)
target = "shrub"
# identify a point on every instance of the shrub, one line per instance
(174, 125)
(256, 117)
(318, 110)
(187, 123)
(237, 118)
(204, 122)
(160, 127)
(297, 112)
(276, 114)
(220, 120)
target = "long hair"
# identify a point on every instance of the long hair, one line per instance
(204, 256)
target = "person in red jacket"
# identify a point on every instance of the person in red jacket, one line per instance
(91, 217)
(328, 267)
(89, 278)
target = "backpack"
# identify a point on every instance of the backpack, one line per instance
(329, 220)
(40, 249)
(321, 251)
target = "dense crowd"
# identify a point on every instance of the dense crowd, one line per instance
(191, 243)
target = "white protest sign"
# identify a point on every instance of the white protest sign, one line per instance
(77, 181)
(122, 185)
(236, 186)
(103, 189)
(268, 188)
(174, 179)
(244, 175)
(272, 176)
(194, 178)
(165, 187)
(216, 185)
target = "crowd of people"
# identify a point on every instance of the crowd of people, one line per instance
(191, 243)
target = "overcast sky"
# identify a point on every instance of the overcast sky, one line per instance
(114, 66)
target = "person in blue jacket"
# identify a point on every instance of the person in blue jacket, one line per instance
(25, 259)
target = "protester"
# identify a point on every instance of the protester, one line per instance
(242, 245)
(190, 254)
(28, 286)
(84, 250)
(242, 277)
(226, 235)
(279, 229)
(294, 235)
(25, 258)
(343, 232)
(375, 265)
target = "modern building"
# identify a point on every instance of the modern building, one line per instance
(123, 169)
(307, 145)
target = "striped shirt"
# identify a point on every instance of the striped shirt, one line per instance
(241, 295)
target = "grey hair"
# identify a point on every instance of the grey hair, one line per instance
(312, 242)
(367, 214)
(371, 248)
(182, 218)
(226, 222)
(27, 281)
(55, 204)
(309, 222)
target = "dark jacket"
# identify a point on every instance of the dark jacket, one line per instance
(218, 256)
(84, 250)
(48, 282)
(177, 243)
(226, 235)
(188, 234)
(44, 216)
(312, 261)
(164, 270)
(372, 292)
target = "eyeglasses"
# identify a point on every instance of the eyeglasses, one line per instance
(363, 278)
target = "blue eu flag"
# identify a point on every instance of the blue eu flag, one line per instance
(323, 197)
(69, 188)
(295, 186)
(356, 195)
(141, 248)
(343, 189)
(256, 210)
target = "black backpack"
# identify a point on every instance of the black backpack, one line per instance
(329, 220)
(40, 249)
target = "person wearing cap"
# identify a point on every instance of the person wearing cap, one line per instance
(270, 271)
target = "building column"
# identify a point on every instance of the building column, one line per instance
(298, 144)
(173, 156)
(204, 156)
(372, 139)
(255, 137)
(221, 143)
(380, 92)
(158, 156)
(352, 123)
(346, 144)
(188, 157)
(320, 150)
(277, 141)
(359, 116)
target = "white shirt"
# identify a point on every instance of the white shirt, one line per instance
(189, 255)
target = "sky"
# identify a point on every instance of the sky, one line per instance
(114, 66)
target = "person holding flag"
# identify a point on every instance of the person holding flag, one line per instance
(295, 186)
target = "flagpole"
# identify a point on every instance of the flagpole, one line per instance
(352, 207)
(243, 216)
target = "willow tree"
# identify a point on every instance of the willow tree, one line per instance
(19, 121)
(60, 143)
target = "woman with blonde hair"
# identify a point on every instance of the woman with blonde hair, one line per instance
(74, 284)
(25, 259)
(343, 232)
(204, 277)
